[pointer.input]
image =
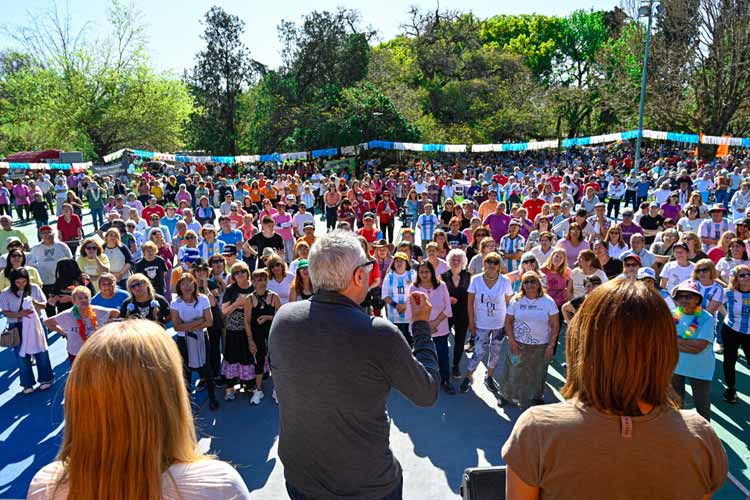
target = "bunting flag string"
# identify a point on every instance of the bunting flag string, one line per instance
(73, 167)
(443, 148)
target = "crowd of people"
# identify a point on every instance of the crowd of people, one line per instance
(505, 249)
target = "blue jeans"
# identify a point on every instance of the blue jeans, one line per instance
(441, 346)
(43, 366)
(396, 494)
(97, 214)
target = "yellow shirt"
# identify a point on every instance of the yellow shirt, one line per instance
(89, 267)
(33, 278)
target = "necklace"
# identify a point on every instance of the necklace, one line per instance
(692, 327)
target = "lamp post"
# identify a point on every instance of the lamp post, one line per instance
(645, 10)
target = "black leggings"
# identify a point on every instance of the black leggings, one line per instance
(733, 340)
(331, 214)
(214, 356)
(460, 328)
(260, 339)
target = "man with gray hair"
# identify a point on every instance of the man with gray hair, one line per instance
(333, 368)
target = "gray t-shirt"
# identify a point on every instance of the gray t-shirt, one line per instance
(46, 259)
(571, 451)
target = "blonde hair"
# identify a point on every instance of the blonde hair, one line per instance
(614, 363)
(143, 422)
(113, 232)
(144, 278)
(734, 281)
(562, 269)
(705, 263)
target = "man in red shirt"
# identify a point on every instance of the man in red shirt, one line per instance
(533, 205)
(369, 231)
(152, 208)
(387, 211)
(555, 180)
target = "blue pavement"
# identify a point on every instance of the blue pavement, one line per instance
(434, 445)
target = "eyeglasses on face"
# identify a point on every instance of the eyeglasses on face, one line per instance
(492, 262)
(189, 237)
(137, 284)
(631, 264)
(743, 275)
(703, 270)
(367, 266)
(91, 248)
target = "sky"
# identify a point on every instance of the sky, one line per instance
(174, 26)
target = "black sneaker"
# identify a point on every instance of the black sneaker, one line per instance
(455, 373)
(448, 387)
(501, 401)
(730, 396)
(491, 385)
(213, 404)
(465, 385)
(220, 382)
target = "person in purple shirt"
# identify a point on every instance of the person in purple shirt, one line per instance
(627, 226)
(497, 222)
(672, 209)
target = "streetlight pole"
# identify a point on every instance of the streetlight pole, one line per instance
(642, 13)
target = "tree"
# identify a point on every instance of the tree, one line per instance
(222, 72)
(94, 96)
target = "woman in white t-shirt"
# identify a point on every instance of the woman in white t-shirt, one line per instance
(679, 269)
(587, 265)
(191, 317)
(532, 325)
(736, 256)
(279, 279)
(147, 430)
(489, 293)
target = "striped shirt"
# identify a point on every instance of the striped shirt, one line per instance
(397, 287)
(712, 292)
(738, 311)
(427, 225)
(510, 245)
(713, 230)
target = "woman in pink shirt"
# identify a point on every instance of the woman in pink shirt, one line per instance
(284, 227)
(436, 290)
(21, 192)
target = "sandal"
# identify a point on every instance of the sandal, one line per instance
(28, 390)
(45, 386)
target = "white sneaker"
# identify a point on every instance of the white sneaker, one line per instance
(275, 399)
(257, 396)
(718, 348)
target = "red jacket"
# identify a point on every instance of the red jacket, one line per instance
(383, 216)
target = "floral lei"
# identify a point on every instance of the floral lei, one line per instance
(91, 315)
(693, 326)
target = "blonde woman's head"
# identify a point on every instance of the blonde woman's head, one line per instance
(127, 414)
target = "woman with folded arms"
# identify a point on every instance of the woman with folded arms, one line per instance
(144, 446)
(735, 332)
(532, 325)
(618, 396)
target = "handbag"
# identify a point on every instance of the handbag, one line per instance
(11, 337)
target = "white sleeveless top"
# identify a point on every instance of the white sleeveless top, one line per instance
(202, 480)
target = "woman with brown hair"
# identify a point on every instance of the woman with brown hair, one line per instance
(191, 317)
(144, 445)
(573, 243)
(618, 396)
(301, 288)
(586, 265)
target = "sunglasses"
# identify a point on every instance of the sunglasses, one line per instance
(91, 248)
(530, 282)
(137, 284)
(189, 237)
(632, 264)
(702, 270)
(743, 275)
(493, 262)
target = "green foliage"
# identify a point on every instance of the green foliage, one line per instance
(97, 98)
(221, 73)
